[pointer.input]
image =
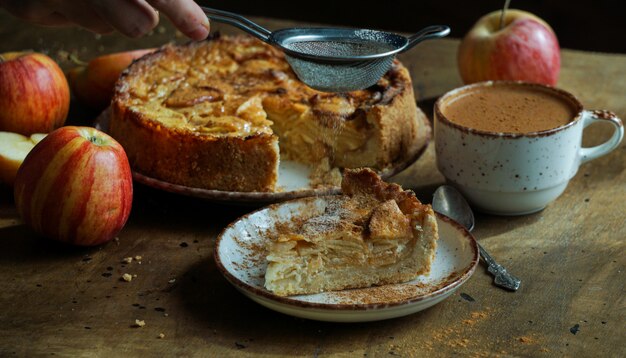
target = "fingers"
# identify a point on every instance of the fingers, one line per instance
(132, 18)
(186, 15)
(135, 18)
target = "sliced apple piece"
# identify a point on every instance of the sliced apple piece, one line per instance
(13, 149)
(37, 137)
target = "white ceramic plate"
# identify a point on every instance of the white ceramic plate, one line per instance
(240, 256)
(293, 178)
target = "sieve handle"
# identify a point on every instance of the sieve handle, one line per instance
(427, 33)
(237, 21)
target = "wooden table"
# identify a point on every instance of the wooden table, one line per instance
(66, 301)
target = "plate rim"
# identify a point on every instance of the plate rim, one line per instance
(285, 300)
(272, 197)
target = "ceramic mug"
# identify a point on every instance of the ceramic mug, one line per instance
(516, 173)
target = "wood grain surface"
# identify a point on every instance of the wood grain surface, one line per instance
(64, 301)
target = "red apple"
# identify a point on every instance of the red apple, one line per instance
(525, 49)
(34, 94)
(94, 83)
(75, 186)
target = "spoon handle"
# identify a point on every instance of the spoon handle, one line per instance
(430, 32)
(238, 21)
(501, 277)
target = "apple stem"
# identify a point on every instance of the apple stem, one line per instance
(2, 59)
(506, 6)
(95, 140)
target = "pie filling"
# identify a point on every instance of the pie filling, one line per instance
(374, 234)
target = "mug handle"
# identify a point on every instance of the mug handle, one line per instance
(589, 117)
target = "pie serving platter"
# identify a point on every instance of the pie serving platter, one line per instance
(293, 178)
(240, 256)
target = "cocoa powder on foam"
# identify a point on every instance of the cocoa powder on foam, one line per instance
(509, 108)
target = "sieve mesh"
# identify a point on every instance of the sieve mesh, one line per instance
(337, 48)
(340, 77)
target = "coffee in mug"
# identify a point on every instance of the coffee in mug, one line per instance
(510, 109)
(512, 147)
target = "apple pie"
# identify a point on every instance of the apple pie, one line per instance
(375, 233)
(221, 113)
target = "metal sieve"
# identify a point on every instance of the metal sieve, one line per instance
(333, 59)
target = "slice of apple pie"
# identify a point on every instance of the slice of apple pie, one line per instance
(374, 234)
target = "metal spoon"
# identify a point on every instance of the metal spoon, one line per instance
(449, 202)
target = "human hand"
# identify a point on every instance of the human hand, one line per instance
(132, 18)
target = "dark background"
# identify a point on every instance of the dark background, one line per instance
(598, 25)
